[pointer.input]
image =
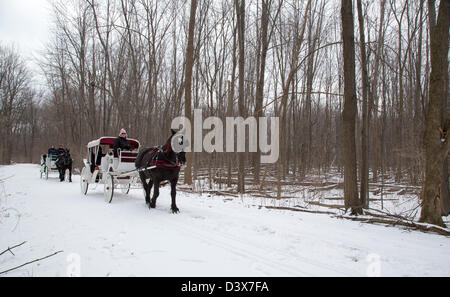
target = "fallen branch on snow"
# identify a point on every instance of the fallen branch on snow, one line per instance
(14, 268)
(376, 219)
(384, 214)
(387, 221)
(300, 210)
(13, 247)
(334, 206)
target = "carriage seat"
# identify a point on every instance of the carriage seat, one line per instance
(51, 161)
(53, 157)
(125, 161)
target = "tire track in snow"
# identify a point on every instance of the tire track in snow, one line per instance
(341, 271)
(223, 243)
(323, 266)
(257, 254)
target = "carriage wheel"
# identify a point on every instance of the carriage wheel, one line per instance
(126, 188)
(46, 172)
(83, 182)
(109, 188)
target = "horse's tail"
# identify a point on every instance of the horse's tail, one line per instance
(140, 156)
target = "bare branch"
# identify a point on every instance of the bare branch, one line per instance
(27, 263)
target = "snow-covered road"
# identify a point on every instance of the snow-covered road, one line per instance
(211, 236)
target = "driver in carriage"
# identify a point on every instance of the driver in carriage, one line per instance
(52, 150)
(121, 142)
(60, 150)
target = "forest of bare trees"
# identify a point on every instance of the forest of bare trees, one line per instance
(356, 85)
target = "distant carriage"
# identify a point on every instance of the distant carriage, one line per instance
(113, 171)
(48, 165)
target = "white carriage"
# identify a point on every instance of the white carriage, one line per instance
(48, 165)
(113, 171)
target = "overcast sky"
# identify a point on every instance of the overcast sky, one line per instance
(25, 24)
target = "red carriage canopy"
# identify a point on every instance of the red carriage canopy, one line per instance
(109, 141)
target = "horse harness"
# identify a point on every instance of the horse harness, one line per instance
(157, 162)
(64, 159)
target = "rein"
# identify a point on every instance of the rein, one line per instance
(164, 163)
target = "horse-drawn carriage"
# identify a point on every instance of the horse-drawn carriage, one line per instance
(60, 163)
(114, 171)
(125, 170)
(48, 165)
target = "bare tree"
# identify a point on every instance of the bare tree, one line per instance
(374, 93)
(282, 111)
(351, 199)
(15, 96)
(240, 14)
(263, 48)
(188, 83)
(436, 137)
(365, 112)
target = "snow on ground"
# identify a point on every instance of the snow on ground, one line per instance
(211, 236)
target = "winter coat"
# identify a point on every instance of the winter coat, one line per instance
(60, 151)
(122, 144)
(52, 151)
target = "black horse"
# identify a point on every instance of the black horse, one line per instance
(158, 164)
(64, 162)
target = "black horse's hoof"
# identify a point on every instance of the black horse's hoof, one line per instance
(175, 210)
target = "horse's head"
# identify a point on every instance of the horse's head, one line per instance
(176, 144)
(65, 157)
(181, 157)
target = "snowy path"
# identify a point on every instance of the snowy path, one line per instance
(210, 237)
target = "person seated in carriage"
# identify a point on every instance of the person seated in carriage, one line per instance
(60, 150)
(52, 150)
(121, 142)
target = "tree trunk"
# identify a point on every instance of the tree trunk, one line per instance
(445, 198)
(230, 104)
(365, 114)
(188, 87)
(436, 136)
(351, 199)
(260, 83)
(374, 95)
(240, 13)
(284, 98)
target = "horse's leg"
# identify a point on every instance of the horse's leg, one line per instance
(156, 183)
(173, 193)
(61, 174)
(150, 185)
(70, 173)
(146, 190)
